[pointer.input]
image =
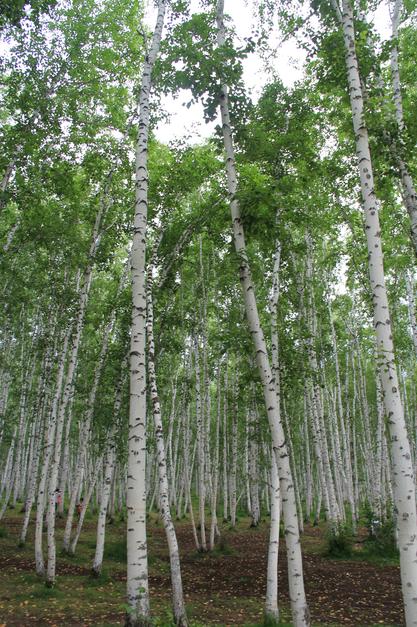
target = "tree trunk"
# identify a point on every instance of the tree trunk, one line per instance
(402, 470)
(180, 616)
(137, 555)
(295, 571)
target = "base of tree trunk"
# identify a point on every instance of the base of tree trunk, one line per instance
(141, 621)
(271, 619)
(181, 621)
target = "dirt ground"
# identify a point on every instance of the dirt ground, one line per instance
(224, 588)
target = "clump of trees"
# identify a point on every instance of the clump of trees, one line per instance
(135, 371)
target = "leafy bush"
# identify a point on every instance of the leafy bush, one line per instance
(339, 541)
(381, 539)
(3, 532)
(223, 547)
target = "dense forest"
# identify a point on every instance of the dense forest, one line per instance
(207, 334)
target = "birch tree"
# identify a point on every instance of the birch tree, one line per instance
(137, 567)
(402, 470)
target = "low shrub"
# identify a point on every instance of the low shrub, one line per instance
(381, 539)
(224, 547)
(339, 541)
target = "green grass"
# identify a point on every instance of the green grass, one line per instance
(78, 596)
(3, 532)
(116, 550)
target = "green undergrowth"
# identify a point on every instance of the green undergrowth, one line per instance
(78, 597)
(377, 547)
(223, 547)
(3, 532)
(339, 542)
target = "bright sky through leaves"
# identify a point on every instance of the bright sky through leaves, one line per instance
(188, 123)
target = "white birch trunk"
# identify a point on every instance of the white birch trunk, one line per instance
(86, 503)
(225, 449)
(412, 310)
(233, 469)
(409, 191)
(109, 471)
(402, 470)
(296, 583)
(187, 477)
(137, 557)
(213, 525)
(253, 470)
(180, 616)
(200, 450)
(271, 600)
(49, 439)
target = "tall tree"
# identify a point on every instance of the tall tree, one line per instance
(402, 468)
(137, 557)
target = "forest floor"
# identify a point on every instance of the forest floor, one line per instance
(226, 587)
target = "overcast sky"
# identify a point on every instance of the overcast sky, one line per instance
(288, 64)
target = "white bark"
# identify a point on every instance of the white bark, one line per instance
(409, 191)
(253, 469)
(225, 449)
(66, 400)
(296, 583)
(200, 450)
(109, 468)
(187, 477)
(402, 470)
(271, 600)
(213, 525)
(412, 310)
(180, 616)
(86, 426)
(233, 468)
(49, 439)
(86, 503)
(137, 560)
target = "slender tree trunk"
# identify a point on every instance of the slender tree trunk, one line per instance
(109, 471)
(233, 469)
(402, 470)
(408, 188)
(180, 616)
(225, 449)
(412, 310)
(200, 450)
(137, 555)
(213, 526)
(253, 468)
(86, 502)
(187, 477)
(271, 600)
(295, 571)
(49, 439)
